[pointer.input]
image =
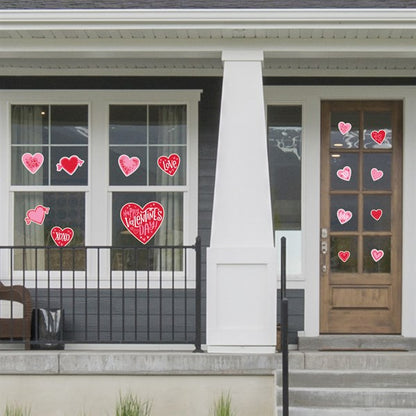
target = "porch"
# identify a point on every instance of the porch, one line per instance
(103, 295)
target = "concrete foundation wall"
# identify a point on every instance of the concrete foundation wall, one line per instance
(90, 383)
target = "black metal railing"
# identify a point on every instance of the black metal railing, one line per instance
(103, 294)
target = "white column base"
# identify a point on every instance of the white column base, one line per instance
(241, 299)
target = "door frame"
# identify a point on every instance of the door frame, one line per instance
(310, 97)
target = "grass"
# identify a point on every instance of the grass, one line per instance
(129, 405)
(222, 407)
(15, 410)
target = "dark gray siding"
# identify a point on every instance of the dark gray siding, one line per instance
(296, 312)
(203, 4)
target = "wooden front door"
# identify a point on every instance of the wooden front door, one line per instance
(361, 217)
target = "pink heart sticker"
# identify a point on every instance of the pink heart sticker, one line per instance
(376, 213)
(344, 255)
(378, 136)
(32, 162)
(344, 128)
(69, 164)
(343, 216)
(128, 165)
(142, 223)
(345, 173)
(169, 164)
(36, 215)
(377, 255)
(376, 174)
(62, 237)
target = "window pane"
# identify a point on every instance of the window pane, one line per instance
(169, 233)
(35, 214)
(344, 254)
(30, 124)
(128, 165)
(344, 171)
(128, 124)
(343, 211)
(285, 146)
(377, 254)
(69, 124)
(377, 172)
(378, 130)
(345, 129)
(30, 165)
(167, 124)
(171, 168)
(70, 165)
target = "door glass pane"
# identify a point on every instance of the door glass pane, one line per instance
(345, 129)
(377, 130)
(377, 172)
(376, 254)
(377, 213)
(344, 210)
(344, 171)
(344, 254)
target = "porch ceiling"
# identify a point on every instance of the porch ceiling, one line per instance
(130, 41)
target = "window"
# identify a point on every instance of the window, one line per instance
(148, 148)
(284, 125)
(49, 154)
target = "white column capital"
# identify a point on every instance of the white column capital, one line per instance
(242, 55)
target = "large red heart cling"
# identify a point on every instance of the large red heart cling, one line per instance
(62, 237)
(69, 164)
(32, 162)
(36, 215)
(169, 164)
(378, 136)
(344, 255)
(142, 223)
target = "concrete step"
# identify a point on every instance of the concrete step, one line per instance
(350, 379)
(356, 342)
(349, 397)
(368, 360)
(352, 411)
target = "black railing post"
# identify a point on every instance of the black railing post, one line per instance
(284, 328)
(198, 295)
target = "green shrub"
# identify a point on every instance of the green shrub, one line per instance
(222, 407)
(15, 410)
(129, 405)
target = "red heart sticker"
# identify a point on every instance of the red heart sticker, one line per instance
(344, 255)
(169, 164)
(128, 165)
(345, 173)
(344, 128)
(69, 164)
(36, 215)
(32, 162)
(376, 213)
(378, 136)
(62, 237)
(142, 223)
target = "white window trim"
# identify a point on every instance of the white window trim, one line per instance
(98, 191)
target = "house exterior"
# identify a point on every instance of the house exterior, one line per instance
(272, 119)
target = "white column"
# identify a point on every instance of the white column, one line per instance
(241, 263)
